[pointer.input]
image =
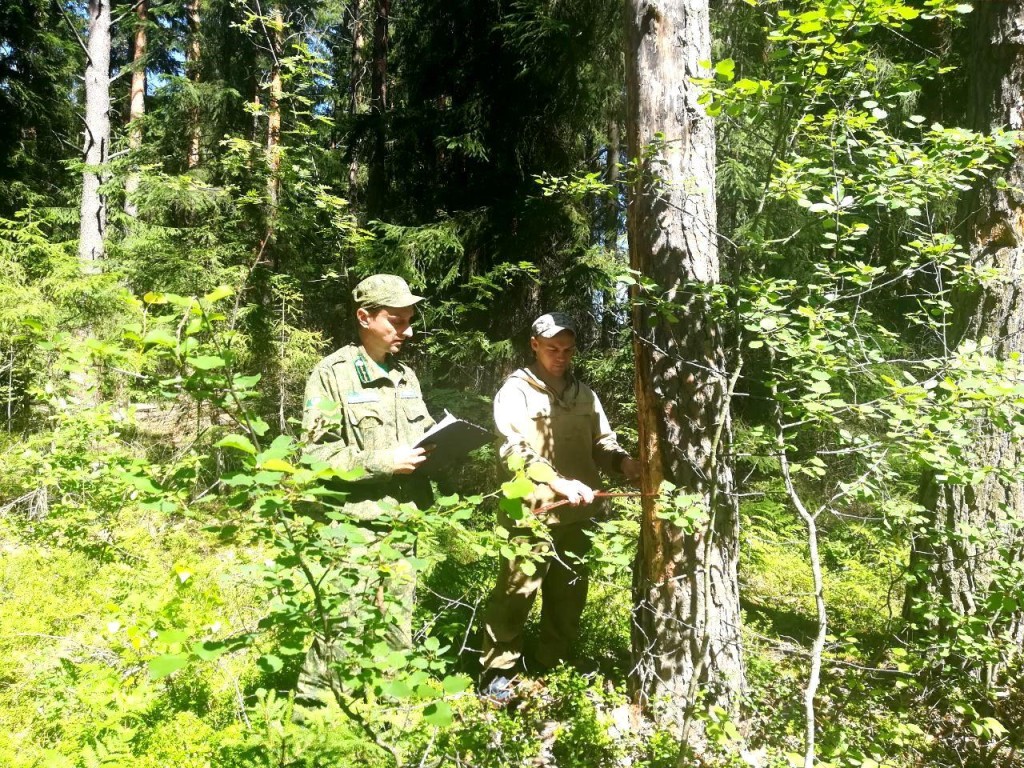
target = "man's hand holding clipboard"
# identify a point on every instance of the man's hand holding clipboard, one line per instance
(450, 440)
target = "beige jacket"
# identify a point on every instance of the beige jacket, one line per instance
(570, 433)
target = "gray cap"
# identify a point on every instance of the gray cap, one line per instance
(384, 291)
(553, 324)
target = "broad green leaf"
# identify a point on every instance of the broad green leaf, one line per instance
(398, 689)
(456, 684)
(160, 337)
(541, 473)
(278, 465)
(205, 362)
(178, 301)
(164, 665)
(512, 507)
(993, 726)
(820, 387)
(747, 86)
(426, 690)
(280, 448)
(221, 292)
(245, 382)
(517, 488)
(238, 442)
(267, 478)
(270, 663)
(209, 650)
(438, 714)
(171, 636)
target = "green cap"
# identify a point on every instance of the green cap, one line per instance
(384, 291)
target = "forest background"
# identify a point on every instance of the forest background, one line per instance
(797, 277)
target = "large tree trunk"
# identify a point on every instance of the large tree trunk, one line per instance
(192, 71)
(276, 34)
(376, 182)
(93, 223)
(686, 633)
(355, 93)
(137, 109)
(949, 558)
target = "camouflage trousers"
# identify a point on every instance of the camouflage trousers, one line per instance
(364, 604)
(560, 576)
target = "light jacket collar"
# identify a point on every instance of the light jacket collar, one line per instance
(569, 393)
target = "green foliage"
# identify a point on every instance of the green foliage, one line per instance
(167, 551)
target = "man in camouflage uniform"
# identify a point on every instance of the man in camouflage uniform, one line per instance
(548, 417)
(364, 411)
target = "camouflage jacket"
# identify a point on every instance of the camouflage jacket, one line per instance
(570, 433)
(356, 414)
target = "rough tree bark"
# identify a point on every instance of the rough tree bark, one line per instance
(948, 560)
(93, 219)
(686, 631)
(355, 92)
(192, 71)
(376, 172)
(276, 36)
(137, 109)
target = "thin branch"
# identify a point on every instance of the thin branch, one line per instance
(67, 18)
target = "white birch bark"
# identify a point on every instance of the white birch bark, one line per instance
(93, 214)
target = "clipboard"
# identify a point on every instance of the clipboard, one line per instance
(452, 439)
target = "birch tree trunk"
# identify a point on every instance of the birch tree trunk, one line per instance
(137, 109)
(949, 558)
(93, 217)
(686, 634)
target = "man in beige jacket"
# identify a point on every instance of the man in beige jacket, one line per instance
(548, 417)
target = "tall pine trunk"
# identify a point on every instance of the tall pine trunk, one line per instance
(355, 93)
(137, 108)
(949, 559)
(93, 221)
(376, 181)
(276, 35)
(192, 71)
(686, 630)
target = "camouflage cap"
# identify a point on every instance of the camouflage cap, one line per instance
(384, 291)
(553, 324)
